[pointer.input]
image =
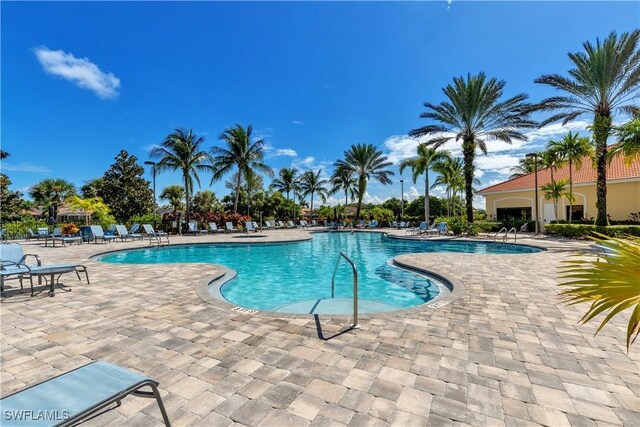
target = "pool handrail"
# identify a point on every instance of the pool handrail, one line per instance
(355, 324)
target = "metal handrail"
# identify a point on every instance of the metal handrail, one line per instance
(515, 234)
(501, 230)
(355, 286)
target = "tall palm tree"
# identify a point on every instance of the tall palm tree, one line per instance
(605, 79)
(241, 152)
(174, 194)
(365, 161)
(551, 159)
(450, 172)
(286, 181)
(475, 114)
(182, 151)
(572, 149)
(52, 192)
(311, 183)
(421, 165)
(555, 190)
(525, 166)
(342, 179)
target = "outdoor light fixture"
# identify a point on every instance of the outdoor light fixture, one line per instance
(153, 164)
(402, 200)
(535, 178)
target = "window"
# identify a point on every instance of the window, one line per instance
(513, 213)
(577, 213)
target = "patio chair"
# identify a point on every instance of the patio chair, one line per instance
(270, 225)
(303, 224)
(43, 232)
(248, 226)
(135, 229)
(280, 224)
(420, 229)
(256, 226)
(123, 234)
(373, 224)
(442, 228)
(314, 223)
(13, 262)
(97, 233)
(290, 224)
(230, 227)
(193, 228)
(57, 236)
(394, 224)
(78, 396)
(155, 236)
(213, 228)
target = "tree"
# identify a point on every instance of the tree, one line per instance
(342, 179)
(242, 153)
(551, 159)
(365, 162)
(174, 194)
(204, 202)
(421, 165)
(286, 180)
(605, 79)
(124, 189)
(555, 190)
(11, 202)
(311, 183)
(475, 113)
(100, 212)
(251, 183)
(572, 149)
(182, 151)
(628, 141)
(52, 192)
(525, 166)
(437, 207)
(92, 188)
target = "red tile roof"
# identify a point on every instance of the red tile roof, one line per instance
(617, 169)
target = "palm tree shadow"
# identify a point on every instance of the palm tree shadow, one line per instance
(327, 338)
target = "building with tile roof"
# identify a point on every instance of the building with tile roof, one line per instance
(515, 197)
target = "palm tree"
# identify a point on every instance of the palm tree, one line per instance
(572, 148)
(310, 184)
(525, 166)
(182, 151)
(475, 113)
(605, 79)
(420, 165)
(628, 141)
(53, 192)
(555, 190)
(242, 153)
(286, 181)
(551, 159)
(174, 194)
(450, 172)
(365, 161)
(342, 179)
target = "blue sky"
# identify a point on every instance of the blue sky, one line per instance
(80, 81)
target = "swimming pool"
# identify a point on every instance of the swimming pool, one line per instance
(296, 277)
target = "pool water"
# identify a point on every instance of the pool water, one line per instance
(296, 277)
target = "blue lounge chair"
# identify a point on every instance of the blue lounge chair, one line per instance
(97, 233)
(373, 224)
(123, 234)
(77, 396)
(422, 228)
(230, 228)
(213, 228)
(193, 228)
(13, 262)
(280, 224)
(248, 226)
(155, 236)
(270, 225)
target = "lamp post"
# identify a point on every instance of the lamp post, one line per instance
(402, 199)
(535, 180)
(153, 165)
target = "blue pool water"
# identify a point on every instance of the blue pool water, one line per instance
(291, 277)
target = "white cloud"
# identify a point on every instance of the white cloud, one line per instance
(25, 167)
(499, 163)
(150, 147)
(449, 4)
(368, 198)
(297, 122)
(79, 71)
(288, 152)
(412, 193)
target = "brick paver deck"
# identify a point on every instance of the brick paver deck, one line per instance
(507, 352)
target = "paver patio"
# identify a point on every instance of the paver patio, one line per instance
(507, 352)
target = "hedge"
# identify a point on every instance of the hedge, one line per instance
(584, 230)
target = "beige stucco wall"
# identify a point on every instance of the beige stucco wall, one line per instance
(623, 198)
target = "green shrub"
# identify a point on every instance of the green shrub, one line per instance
(578, 231)
(487, 226)
(18, 229)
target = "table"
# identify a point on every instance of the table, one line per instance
(53, 271)
(63, 239)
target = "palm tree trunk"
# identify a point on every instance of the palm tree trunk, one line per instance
(311, 214)
(186, 192)
(601, 130)
(570, 192)
(426, 196)
(362, 187)
(468, 150)
(248, 198)
(235, 202)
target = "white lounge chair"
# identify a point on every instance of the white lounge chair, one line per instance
(248, 226)
(213, 228)
(159, 237)
(270, 225)
(230, 227)
(193, 228)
